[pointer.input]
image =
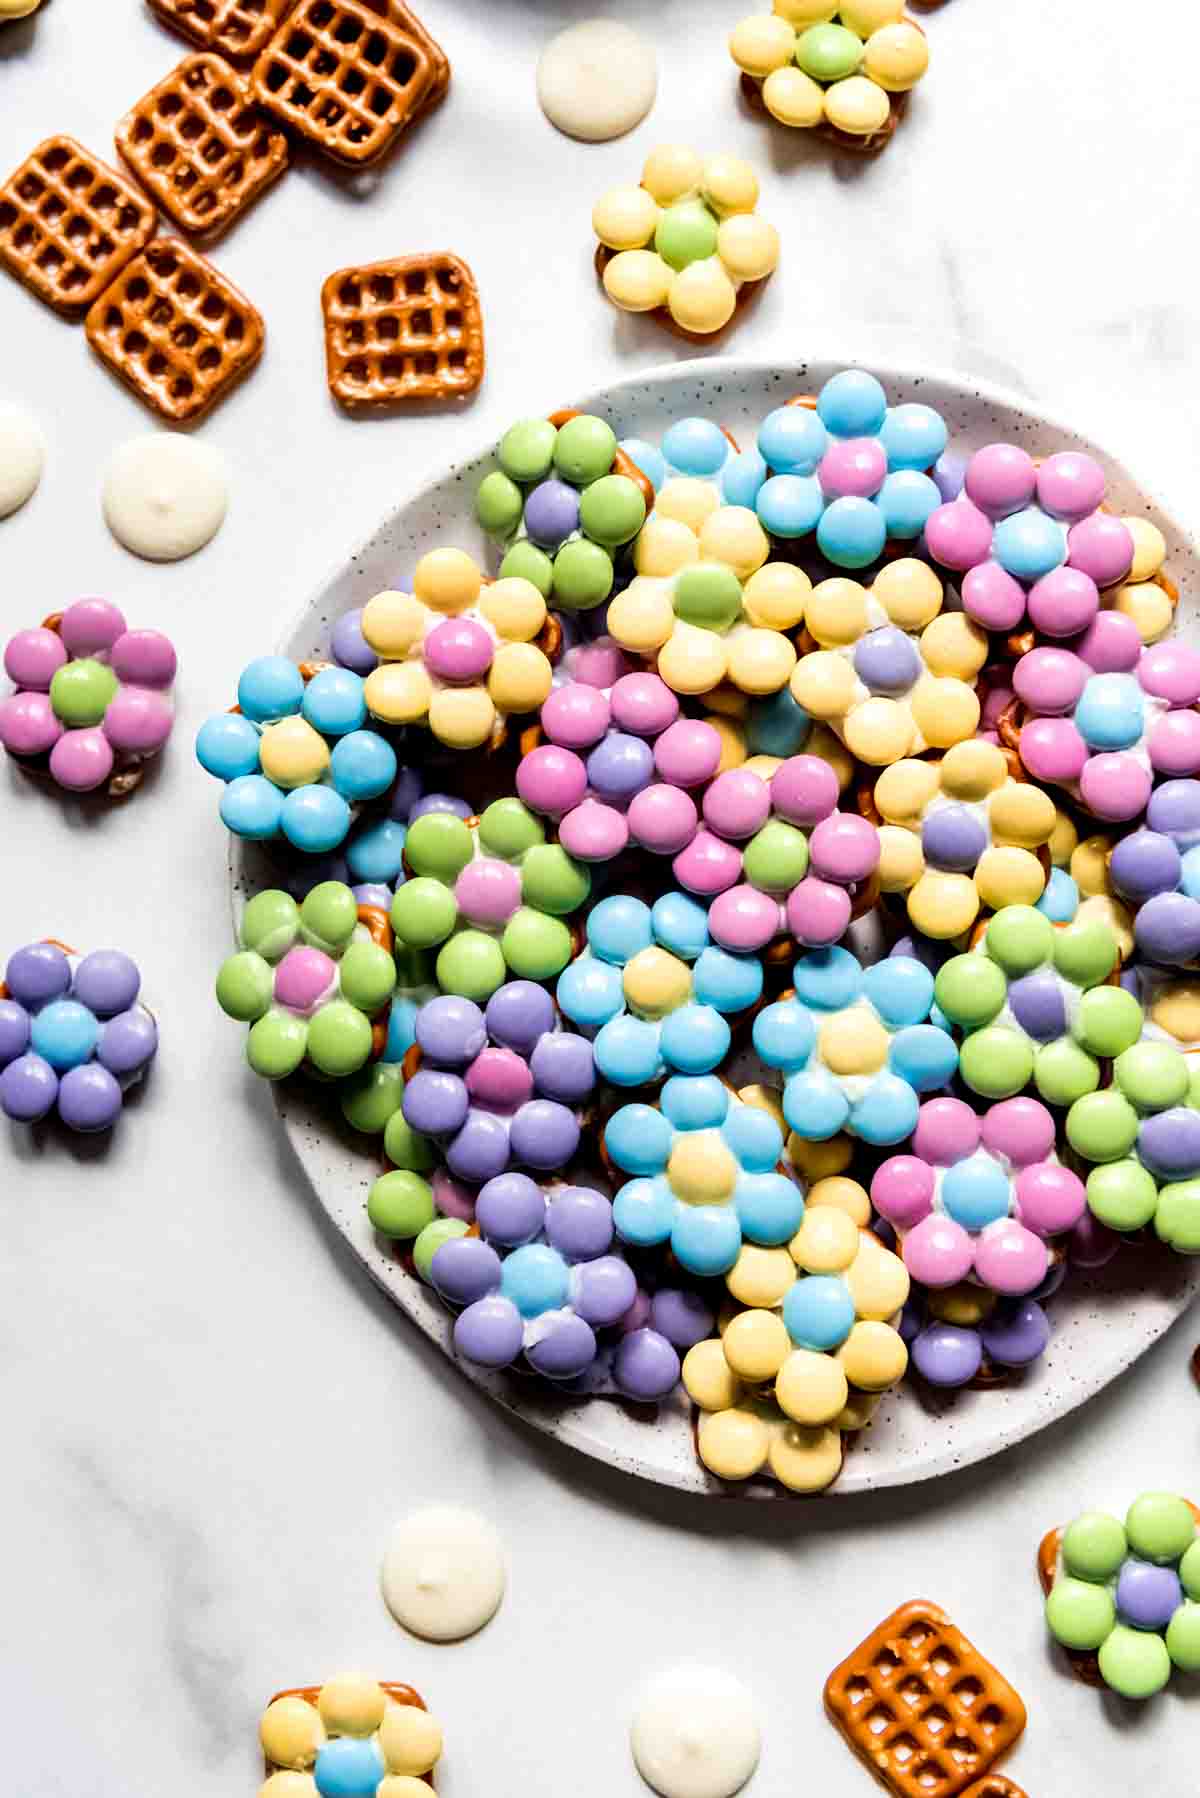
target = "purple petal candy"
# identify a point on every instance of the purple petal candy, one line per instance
(465, 1269)
(604, 1290)
(36, 974)
(435, 1104)
(518, 1013)
(510, 1210)
(544, 1135)
(682, 1317)
(564, 1067)
(562, 1348)
(128, 1042)
(946, 1355)
(480, 1149)
(89, 1098)
(1144, 863)
(645, 1366)
(450, 1031)
(1015, 1334)
(489, 1332)
(1169, 1144)
(14, 1031)
(107, 981)
(350, 648)
(28, 1089)
(579, 1223)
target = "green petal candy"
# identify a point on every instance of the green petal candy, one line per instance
(686, 233)
(244, 987)
(551, 881)
(1189, 1571)
(525, 561)
(1109, 1021)
(708, 595)
(1094, 1546)
(584, 449)
(1080, 1615)
(400, 1205)
(498, 504)
(526, 449)
(442, 1229)
(970, 990)
(1183, 1638)
(534, 946)
(339, 1039)
(271, 924)
(1020, 939)
(776, 857)
(329, 916)
(1177, 1219)
(508, 829)
(438, 845)
(612, 510)
(80, 693)
(1102, 1126)
(368, 977)
(276, 1045)
(1085, 953)
(1063, 1072)
(1152, 1075)
(404, 1148)
(423, 914)
(583, 575)
(1160, 1527)
(372, 1098)
(471, 965)
(1122, 1195)
(996, 1062)
(1135, 1663)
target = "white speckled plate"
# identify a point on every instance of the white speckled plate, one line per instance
(1100, 1327)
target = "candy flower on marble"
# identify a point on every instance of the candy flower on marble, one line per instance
(1156, 870)
(832, 63)
(980, 1197)
(73, 1035)
(960, 833)
(687, 239)
(1142, 1135)
(311, 980)
(1129, 1593)
(92, 700)
(1108, 717)
(855, 1046)
(1033, 1002)
(350, 1738)
(563, 501)
(706, 1174)
(490, 896)
(653, 990)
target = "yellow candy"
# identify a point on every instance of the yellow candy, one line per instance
(411, 1740)
(873, 1356)
(757, 1345)
(462, 717)
(1177, 1010)
(520, 678)
(291, 1732)
(664, 546)
(729, 185)
(805, 1460)
(847, 1196)
(625, 218)
(1113, 915)
(748, 247)
(1089, 866)
(733, 1444)
(857, 106)
(903, 791)
(826, 1242)
(447, 580)
(701, 1169)
(943, 905)
(702, 297)
(760, 661)
(352, 1705)
(858, 1411)
(733, 742)
(765, 1098)
(776, 595)
(761, 1277)
(820, 1160)
(973, 770)
(292, 753)
(810, 1388)
(896, 57)
(692, 660)
(656, 982)
(909, 592)
(1149, 608)
(1149, 548)
(514, 608)
(637, 280)
(1009, 876)
(836, 612)
(954, 645)
(708, 1378)
(866, 16)
(670, 172)
(901, 859)
(1023, 814)
(402, 1785)
(853, 1042)
(393, 624)
(944, 711)
(762, 43)
(831, 749)
(642, 618)
(879, 731)
(1063, 840)
(794, 98)
(807, 12)
(733, 535)
(964, 1305)
(878, 1280)
(398, 693)
(824, 683)
(688, 500)
(291, 1785)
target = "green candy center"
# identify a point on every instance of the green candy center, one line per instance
(687, 232)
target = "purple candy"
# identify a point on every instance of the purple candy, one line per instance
(563, 1067)
(945, 1355)
(510, 1210)
(434, 1103)
(1038, 1005)
(1167, 929)
(405, 792)
(128, 1042)
(949, 473)
(350, 648)
(370, 893)
(518, 1013)
(36, 974)
(28, 1089)
(682, 1317)
(465, 1269)
(450, 1031)
(490, 1332)
(442, 803)
(562, 1348)
(645, 1366)
(1015, 1334)
(887, 661)
(620, 766)
(1148, 1596)
(579, 1223)
(479, 1150)
(544, 1135)
(1169, 1144)
(953, 838)
(107, 981)
(14, 1031)
(1175, 809)
(552, 513)
(604, 1291)
(1144, 863)
(89, 1098)
(913, 1315)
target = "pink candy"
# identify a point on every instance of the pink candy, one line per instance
(853, 468)
(488, 891)
(303, 978)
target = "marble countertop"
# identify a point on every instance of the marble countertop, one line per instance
(212, 1417)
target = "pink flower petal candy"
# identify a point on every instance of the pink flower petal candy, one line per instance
(82, 760)
(1009, 1258)
(947, 1131)
(1114, 786)
(599, 664)
(902, 1190)
(844, 848)
(1111, 644)
(594, 832)
(1171, 671)
(1000, 479)
(993, 597)
(1063, 603)
(1070, 485)
(576, 715)
(643, 704)
(138, 721)
(744, 920)
(1050, 1199)
(959, 535)
(737, 804)
(144, 658)
(1021, 1130)
(28, 725)
(939, 1252)
(33, 658)
(551, 779)
(818, 912)
(1050, 680)
(662, 819)
(91, 626)
(804, 790)
(1102, 547)
(708, 865)
(1053, 750)
(1173, 744)
(688, 752)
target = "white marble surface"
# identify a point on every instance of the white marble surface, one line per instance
(212, 1418)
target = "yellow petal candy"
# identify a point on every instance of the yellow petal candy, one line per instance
(858, 1411)
(402, 1785)
(291, 1785)
(873, 1356)
(866, 16)
(701, 1169)
(820, 1160)
(1009, 876)
(520, 678)
(625, 218)
(811, 1388)
(292, 753)
(733, 535)
(1089, 866)
(398, 693)
(807, 12)
(943, 905)
(670, 172)
(352, 1705)
(1063, 840)
(692, 660)
(462, 717)
(729, 185)
(879, 731)
(857, 106)
(757, 1345)
(637, 280)
(761, 1277)
(1149, 548)
(762, 43)
(805, 1460)
(826, 1242)
(514, 608)
(970, 771)
(664, 546)
(708, 1378)
(642, 618)
(878, 1280)
(901, 859)
(393, 623)
(896, 56)
(775, 597)
(291, 1732)
(760, 661)
(833, 1192)
(733, 742)
(836, 612)
(765, 1098)
(909, 592)
(656, 982)
(1114, 916)
(964, 1305)
(1148, 606)
(411, 1740)
(447, 580)
(702, 297)
(903, 791)
(945, 711)
(1177, 1010)
(794, 98)
(733, 1444)
(689, 500)
(824, 683)
(954, 645)
(831, 749)
(748, 247)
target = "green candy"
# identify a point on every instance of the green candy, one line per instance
(1063, 1072)
(271, 924)
(405, 1148)
(1079, 1615)
(442, 1229)
(1183, 1638)
(498, 504)
(1193, 1098)
(996, 1062)
(526, 449)
(583, 575)
(339, 1039)
(1160, 1527)
(552, 882)
(439, 845)
(584, 449)
(687, 232)
(368, 977)
(423, 913)
(1110, 1021)
(1093, 1547)
(276, 1045)
(244, 987)
(329, 915)
(80, 692)
(373, 1097)
(1189, 1571)
(534, 946)
(1086, 953)
(776, 857)
(1122, 1195)
(1134, 1663)
(471, 965)
(1020, 939)
(400, 1205)
(1102, 1126)
(509, 829)
(525, 561)
(1177, 1220)
(828, 52)
(612, 510)
(970, 990)
(708, 596)
(1152, 1075)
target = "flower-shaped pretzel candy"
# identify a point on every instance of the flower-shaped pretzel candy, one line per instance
(654, 991)
(1156, 871)
(980, 1198)
(686, 243)
(964, 1335)
(350, 1738)
(855, 1046)
(707, 1174)
(93, 699)
(842, 67)
(1142, 1137)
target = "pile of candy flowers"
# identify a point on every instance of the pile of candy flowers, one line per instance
(748, 907)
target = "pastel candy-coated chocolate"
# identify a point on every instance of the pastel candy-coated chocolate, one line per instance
(72, 1036)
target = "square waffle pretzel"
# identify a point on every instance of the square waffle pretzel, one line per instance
(920, 1705)
(349, 75)
(410, 329)
(238, 28)
(69, 224)
(175, 330)
(201, 146)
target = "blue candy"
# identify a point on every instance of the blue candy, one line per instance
(251, 807)
(619, 928)
(742, 477)
(1189, 873)
(706, 1239)
(377, 854)
(638, 1138)
(770, 1207)
(1060, 901)
(907, 501)
(852, 532)
(754, 1138)
(975, 1192)
(1029, 544)
(270, 687)
(227, 746)
(1111, 712)
(790, 505)
(535, 1278)
(815, 1106)
(590, 992)
(828, 978)
(314, 819)
(924, 1056)
(646, 457)
(696, 446)
(349, 1767)
(627, 1051)
(792, 440)
(680, 924)
(777, 726)
(818, 1312)
(901, 990)
(363, 765)
(64, 1033)
(784, 1035)
(852, 404)
(643, 1211)
(727, 981)
(695, 1038)
(333, 702)
(913, 436)
(691, 1102)
(886, 1113)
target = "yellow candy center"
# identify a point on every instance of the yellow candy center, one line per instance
(701, 1169)
(853, 1042)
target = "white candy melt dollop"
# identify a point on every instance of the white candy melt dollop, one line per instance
(597, 80)
(444, 1573)
(165, 496)
(695, 1734)
(22, 453)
